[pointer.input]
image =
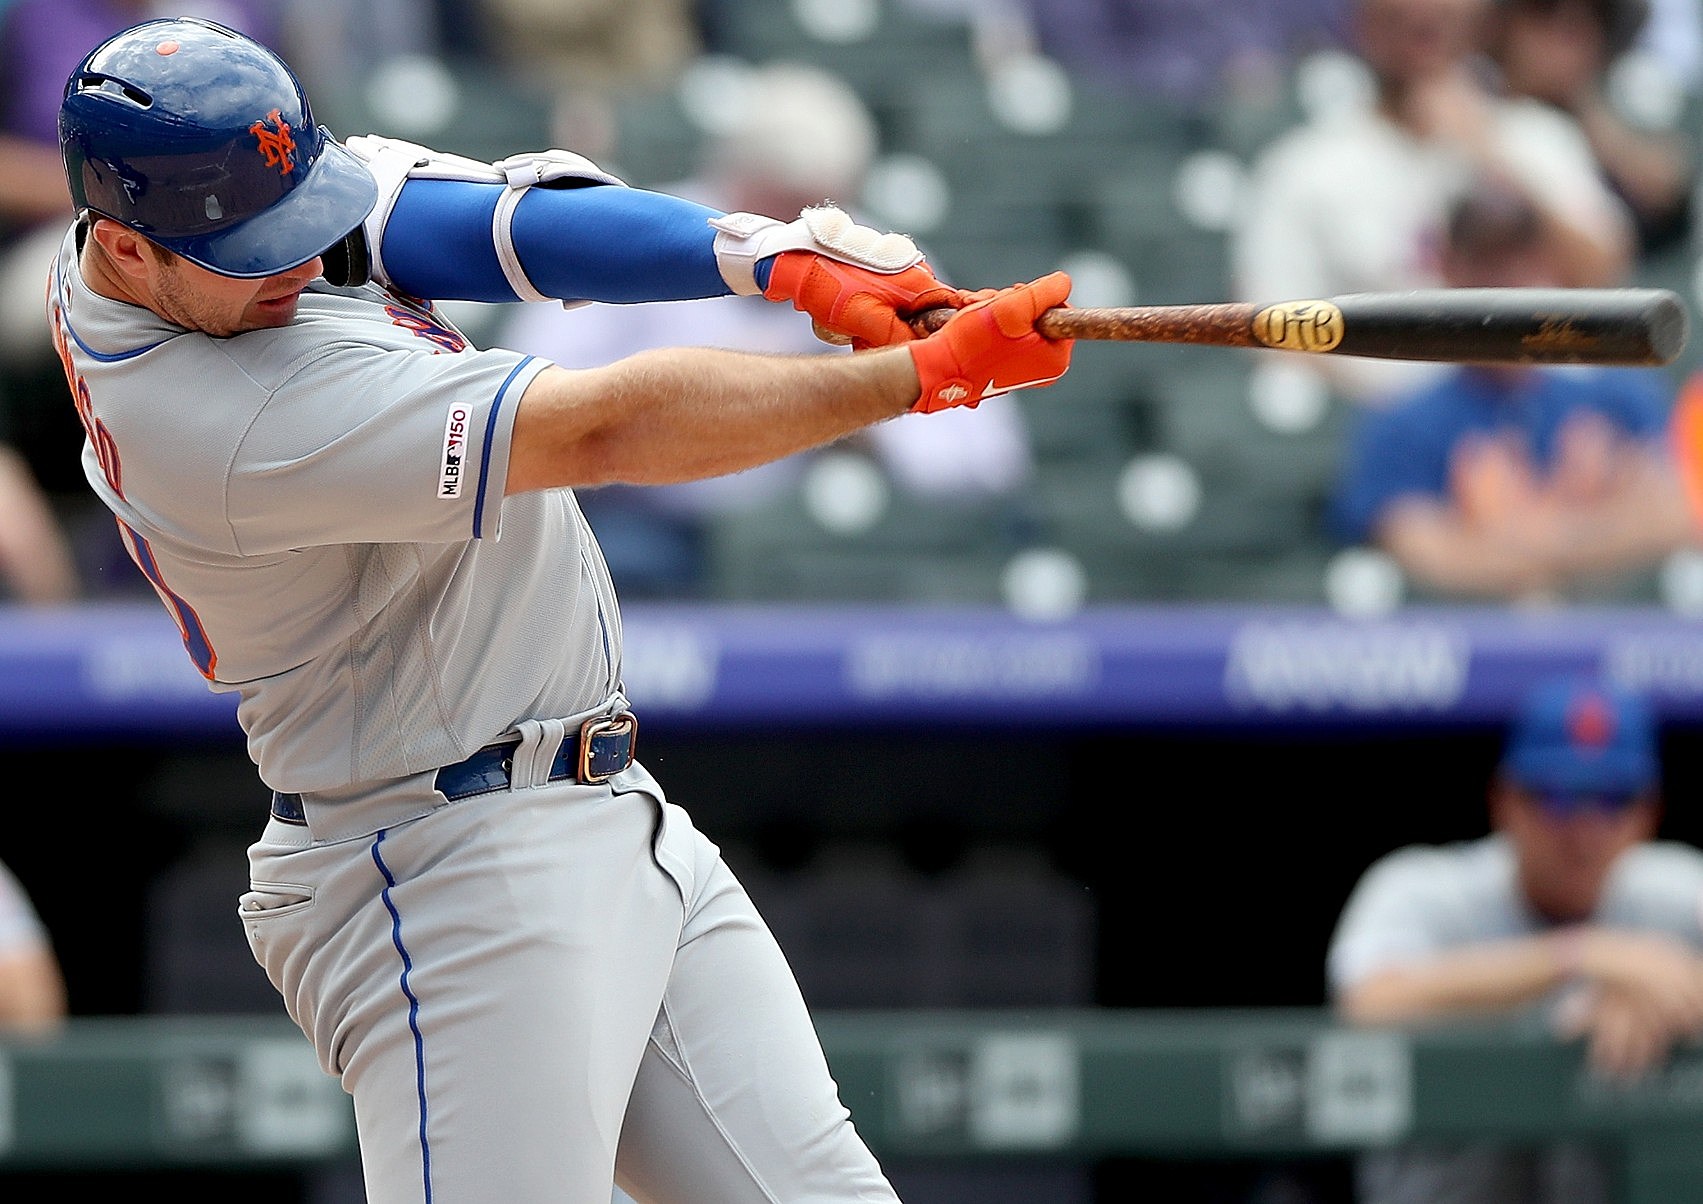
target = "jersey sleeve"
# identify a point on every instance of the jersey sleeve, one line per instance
(1391, 916)
(375, 445)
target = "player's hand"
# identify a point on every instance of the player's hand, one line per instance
(1624, 1038)
(1657, 972)
(991, 346)
(857, 305)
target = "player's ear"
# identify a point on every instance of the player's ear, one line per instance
(127, 251)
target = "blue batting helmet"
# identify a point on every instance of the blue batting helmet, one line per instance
(202, 140)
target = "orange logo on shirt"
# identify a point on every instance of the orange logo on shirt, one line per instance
(428, 327)
(276, 144)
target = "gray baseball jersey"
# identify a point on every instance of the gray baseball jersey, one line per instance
(535, 981)
(352, 464)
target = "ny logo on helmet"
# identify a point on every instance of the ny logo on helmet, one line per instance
(275, 144)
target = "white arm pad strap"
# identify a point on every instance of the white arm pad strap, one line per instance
(744, 238)
(393, 161)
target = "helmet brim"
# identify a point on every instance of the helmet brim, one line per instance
(336, 196)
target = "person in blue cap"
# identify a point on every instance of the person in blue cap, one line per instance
(1571, 909)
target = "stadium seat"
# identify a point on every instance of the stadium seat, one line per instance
(461, 108)
(1102, 410)
(655, 141)
(197, 960)
(916, 551)
(863, 929)
(875, 55)
(1207, 414)
(1007, 930)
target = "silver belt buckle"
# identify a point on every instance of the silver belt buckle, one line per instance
(599, 764)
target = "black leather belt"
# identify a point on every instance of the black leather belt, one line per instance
(601, 748)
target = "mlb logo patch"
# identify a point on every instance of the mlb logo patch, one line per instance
(453, 466)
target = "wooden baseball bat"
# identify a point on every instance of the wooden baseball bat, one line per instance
(1641, 327)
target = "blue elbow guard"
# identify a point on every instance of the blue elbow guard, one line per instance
(530, 228)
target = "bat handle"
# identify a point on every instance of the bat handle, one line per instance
(931, 320)
(1056, 323)
(1222, 324)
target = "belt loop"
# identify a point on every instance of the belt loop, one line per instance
(540, 739)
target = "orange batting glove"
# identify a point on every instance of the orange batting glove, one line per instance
(856, 305)
(991, 347)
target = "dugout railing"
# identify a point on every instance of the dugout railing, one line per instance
(155, 1092)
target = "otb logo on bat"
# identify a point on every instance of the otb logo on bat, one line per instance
(454, 451)
(1313, 326)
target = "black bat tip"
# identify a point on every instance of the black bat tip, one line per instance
(1669, 324)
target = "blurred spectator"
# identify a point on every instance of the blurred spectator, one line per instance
(1354, 199)
(582, 54)
(1189, 51)
(1569, 912)
(32, 988)
(1686, 425)
(597, 44)
(1561, 52)
(1515, 482)
(1673, 36)
(1000, 30)
(37, 562)
(334, 45)
(793, 135)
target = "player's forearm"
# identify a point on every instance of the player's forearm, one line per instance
(1489, 978)
(683, 414)
(1646, 520)
(1445, 555)
(32, 992)
(592, 243)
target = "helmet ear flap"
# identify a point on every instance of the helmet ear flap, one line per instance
(346, 261)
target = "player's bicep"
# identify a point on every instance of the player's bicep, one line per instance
(557, 427)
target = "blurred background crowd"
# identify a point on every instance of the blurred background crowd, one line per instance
(1161, 151)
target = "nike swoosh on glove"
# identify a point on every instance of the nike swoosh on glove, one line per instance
(851, 304)
(992, 347)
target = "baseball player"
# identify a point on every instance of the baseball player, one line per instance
(1571, 912)
(530, 971)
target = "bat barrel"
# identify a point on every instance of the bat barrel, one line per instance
(1626, 326)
